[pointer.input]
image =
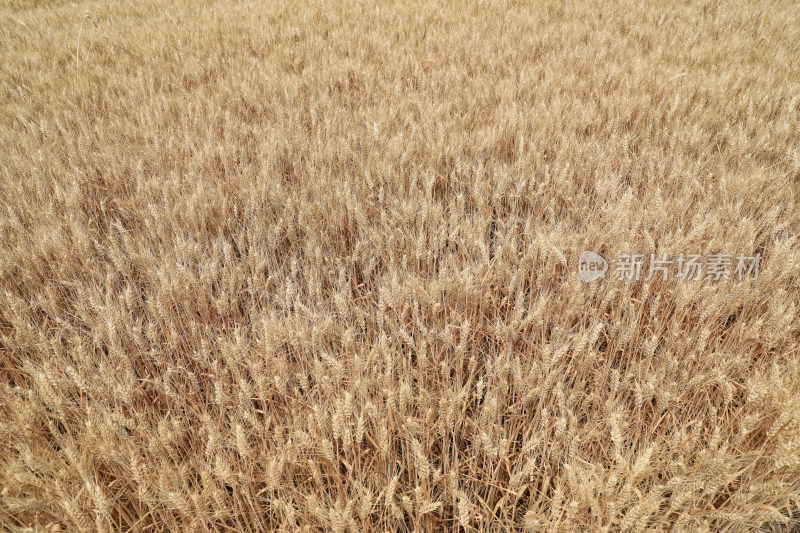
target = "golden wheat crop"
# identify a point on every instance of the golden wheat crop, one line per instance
(312, 266)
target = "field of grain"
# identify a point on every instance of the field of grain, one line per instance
(313, 266)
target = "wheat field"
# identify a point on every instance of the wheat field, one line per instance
(313, 266)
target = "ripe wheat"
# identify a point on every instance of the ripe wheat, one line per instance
(311, 266)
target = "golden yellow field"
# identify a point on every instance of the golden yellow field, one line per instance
(314, 266)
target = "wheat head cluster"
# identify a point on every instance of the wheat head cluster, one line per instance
(312, 266)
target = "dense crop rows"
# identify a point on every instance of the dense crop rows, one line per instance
(312, 266)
